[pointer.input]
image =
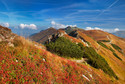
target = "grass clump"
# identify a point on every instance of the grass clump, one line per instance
(18, 42)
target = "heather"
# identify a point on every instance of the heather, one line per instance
(29, 64)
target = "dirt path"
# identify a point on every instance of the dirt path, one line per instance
(80, 61)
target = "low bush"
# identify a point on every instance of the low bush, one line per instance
(117, 56)
(104, 40)
(103, 45)
(116, 47)
(111, 49)
(65, 48)
(97, 61)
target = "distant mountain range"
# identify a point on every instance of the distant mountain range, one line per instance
(43, 35)
(120, 34)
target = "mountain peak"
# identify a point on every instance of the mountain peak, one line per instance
(51, 28)
(43, 35)
(73, 27)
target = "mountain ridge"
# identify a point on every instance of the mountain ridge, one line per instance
(42, 36)
(30, 62)
(103, 42)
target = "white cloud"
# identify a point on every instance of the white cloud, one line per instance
(89, 28)
(95, 28)
(53, 22)
(57, 25)
(71, 25)
(31, 26)
(112, 30)
(5, 24)
(116, 29)
(106, 30)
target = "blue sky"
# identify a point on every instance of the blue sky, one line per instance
(36, 15)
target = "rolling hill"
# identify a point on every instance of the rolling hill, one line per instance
(74, 58)
(107, 45)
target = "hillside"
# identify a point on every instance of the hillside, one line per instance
(106, 45)
(108, 48)
(24, 61)
(29, 62)
(97, 34)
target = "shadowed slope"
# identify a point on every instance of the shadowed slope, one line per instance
(42, 36)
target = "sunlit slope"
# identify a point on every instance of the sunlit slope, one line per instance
(24, 61)
(109, 39)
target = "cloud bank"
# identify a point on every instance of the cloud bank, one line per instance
(30, 26)
(95, 28)
(57, 25)
(107, 30)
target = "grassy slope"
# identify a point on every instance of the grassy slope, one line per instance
(27, 63)
(116, 64)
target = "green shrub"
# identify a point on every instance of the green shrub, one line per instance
(103, 45)
(114, 53)
(65, 48)
(81, 46)
(117, 56)
(104, 40)
(116, 47)
(97, 61)
(111, 49)
(88, 43)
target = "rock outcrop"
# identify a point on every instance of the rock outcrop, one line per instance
(6, 36)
